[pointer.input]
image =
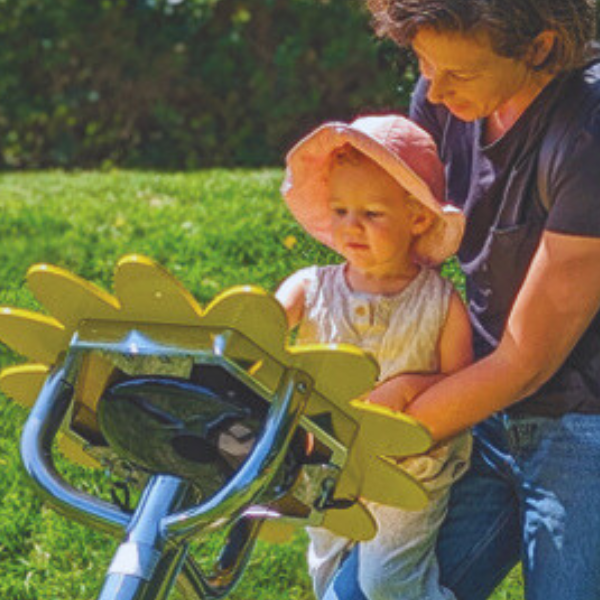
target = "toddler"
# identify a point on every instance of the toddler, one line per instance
(372, 190)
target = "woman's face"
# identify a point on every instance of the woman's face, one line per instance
(467, 76)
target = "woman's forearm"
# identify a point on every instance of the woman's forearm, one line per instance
(559, 298)
(464, 398)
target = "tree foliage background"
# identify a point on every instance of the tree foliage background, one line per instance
(183, 83)
(176, 84)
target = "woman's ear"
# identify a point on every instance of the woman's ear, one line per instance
(540, 49)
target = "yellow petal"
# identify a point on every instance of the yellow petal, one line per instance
(149, 293)
(389, 432)
(356, 522)
(342, 372)
(35, 336)
(68, 297)
(274, 532)
(389, 484)
(23, 383)
(74, 451)
(252, 312)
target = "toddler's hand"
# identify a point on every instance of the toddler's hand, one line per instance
(396, 393)
(390, 394)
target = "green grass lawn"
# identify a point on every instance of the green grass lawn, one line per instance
(212, 230)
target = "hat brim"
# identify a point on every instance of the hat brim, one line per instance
(306, 189)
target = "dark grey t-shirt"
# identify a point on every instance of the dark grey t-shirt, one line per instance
(544, 173)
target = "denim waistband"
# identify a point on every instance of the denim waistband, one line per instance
(523, 431)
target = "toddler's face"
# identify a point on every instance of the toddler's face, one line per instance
(373, 224)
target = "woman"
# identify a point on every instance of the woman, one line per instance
(511, 93)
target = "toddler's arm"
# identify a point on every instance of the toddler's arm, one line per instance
(454, 350)
(291, 295)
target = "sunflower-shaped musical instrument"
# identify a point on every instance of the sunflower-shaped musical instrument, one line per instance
(162, 385)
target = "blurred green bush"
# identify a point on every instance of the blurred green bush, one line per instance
(183, 83)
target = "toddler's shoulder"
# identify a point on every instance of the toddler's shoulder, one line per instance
(433, 281)
(298, 281)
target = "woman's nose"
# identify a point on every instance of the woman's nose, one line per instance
(438, 89)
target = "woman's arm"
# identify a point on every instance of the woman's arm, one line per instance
(556, 303)
(454, 353)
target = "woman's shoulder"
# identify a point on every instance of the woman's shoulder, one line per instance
(578, 105)
(574, 130)
(568, 174)
(587, 100)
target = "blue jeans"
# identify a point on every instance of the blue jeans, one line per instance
(532, 494)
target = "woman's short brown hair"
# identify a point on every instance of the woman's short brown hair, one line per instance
(511, 24)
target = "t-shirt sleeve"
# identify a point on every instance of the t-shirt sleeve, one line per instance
(574, 182)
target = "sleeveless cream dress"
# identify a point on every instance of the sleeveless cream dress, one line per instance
(402, 332)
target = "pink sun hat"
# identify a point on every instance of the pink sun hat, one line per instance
(396, 144)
